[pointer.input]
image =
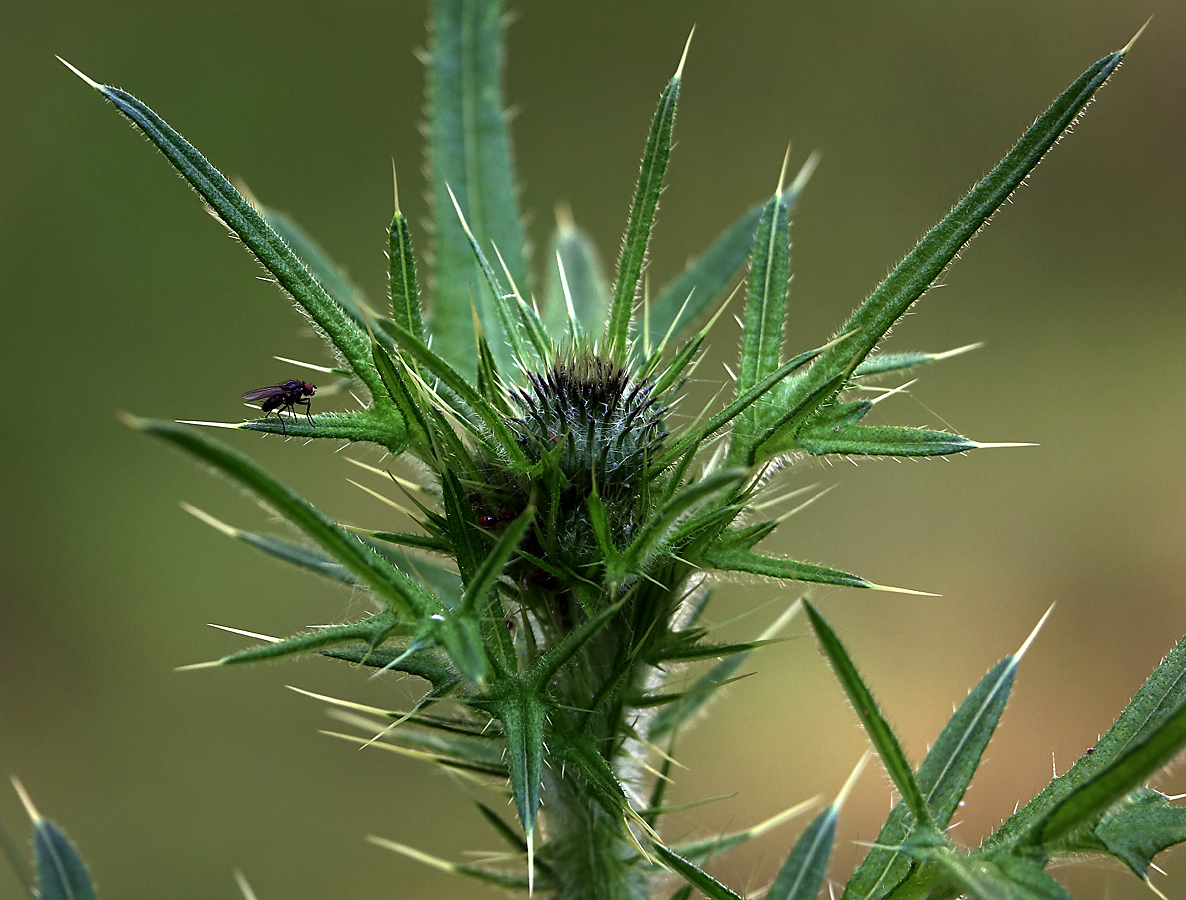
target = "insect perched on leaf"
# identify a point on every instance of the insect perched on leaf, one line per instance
(281, 397)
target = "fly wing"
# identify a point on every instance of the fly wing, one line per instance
(265, 393)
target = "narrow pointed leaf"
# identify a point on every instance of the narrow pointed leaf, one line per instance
(391, 585)
(1163, 693)
(469, 150)
(694, 875)
(405, 291)
(761, 340)
(467, 548)
(372, 631)
(505, 831)
(1085, 805)
(642, 221)
(289, 551)
(495, 561)
(926, 262)
(943, 777)
(261, 239)
(61, 873)
(803, 872)
(883, 363)
(459, 385)
(506, 880)
(736, 559)
(699, 852)
(400, 393)
(876, 440)
(882, 736)
(385, 427)
(523, 718)
(1140, 828)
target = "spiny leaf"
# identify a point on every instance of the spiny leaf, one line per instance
(469, 150)
(694, 875)
(761, 340)
(405, 292)
(926, 262)
(391, 585)
(642, 219)
(800, 876)
(1140, 827)
(682, 302)
(896, 362)
(943, 777)
(879, 731)
(1162, 694)
(61, 873)
(451, 378)
(385, 428)
(877, 440)
(372, 630)
(736, 559)
(1084, 806)
(243, 219)
(523, 716)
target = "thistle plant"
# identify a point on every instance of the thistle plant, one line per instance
(564, 520)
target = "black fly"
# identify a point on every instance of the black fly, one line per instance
(281, 397)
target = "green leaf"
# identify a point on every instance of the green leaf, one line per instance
(401, 395)
(877, 440)
(801, 875)
(642, 219)
(524, 717)
(433, 665)
(943, 777)
(896, 362)
(405, 292)
(383, 426)
(681, 302)
(1087, 803)
(474, 403)
(395, 588)
(61, 873)
(736, 559)
(521, 316)
(1140, 827)
(879, 731)
(242, 218)
(497, 558)
(926, 262)
(761, 340)
(469, 151)
(1162, 694)
(1000, 877)
(694, 875)
(573, 254)
(372, 630)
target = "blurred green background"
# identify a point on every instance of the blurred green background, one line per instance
(120, 293)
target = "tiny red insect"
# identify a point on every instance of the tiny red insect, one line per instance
(281, 397)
